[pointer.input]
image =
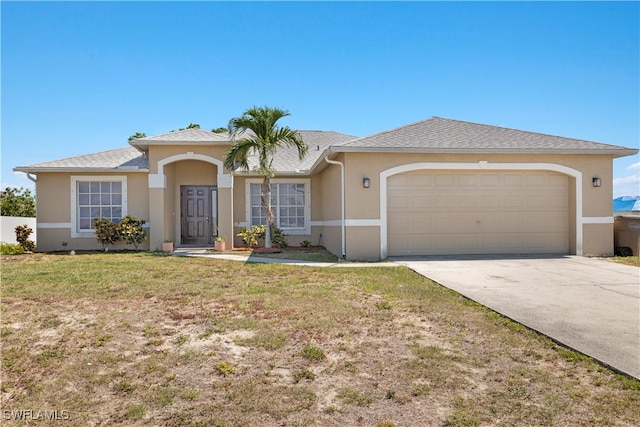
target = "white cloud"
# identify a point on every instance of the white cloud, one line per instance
(635, 166)
(626, 186)
(18, 180)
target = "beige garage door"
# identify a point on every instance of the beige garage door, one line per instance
(454, 212)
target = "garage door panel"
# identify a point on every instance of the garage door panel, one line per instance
(467, 201)
(466, 180)
(513, 180)
(491, 180)
(441, 212)
(491, 201)
(420, 180)
(558, 201)
(445, 180)
(557, 180)
(421, 201)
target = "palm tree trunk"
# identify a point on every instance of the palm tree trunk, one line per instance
(266, 203)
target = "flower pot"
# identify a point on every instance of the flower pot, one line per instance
(220, 246)
(167, 247)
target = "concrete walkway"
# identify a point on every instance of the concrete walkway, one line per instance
(588, 304)
(206, 253)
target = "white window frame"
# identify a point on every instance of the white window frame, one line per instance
(298, 231)
(75, 179)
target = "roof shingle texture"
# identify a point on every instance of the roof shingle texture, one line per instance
(286, 158)
(187, 135)
(445, 134)
(431, 135)
(127, 157)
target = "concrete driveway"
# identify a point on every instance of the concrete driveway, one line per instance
(588, 304)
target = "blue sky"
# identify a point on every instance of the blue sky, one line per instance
(80, 77)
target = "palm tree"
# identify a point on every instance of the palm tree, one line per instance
(261, 135)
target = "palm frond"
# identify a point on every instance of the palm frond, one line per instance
(238, 154)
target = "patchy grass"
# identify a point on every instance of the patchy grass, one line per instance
(145, 339)
(316, 254)
(627, 260)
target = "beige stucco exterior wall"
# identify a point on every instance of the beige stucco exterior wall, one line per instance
(186, 165)
(161, 206)
(54, 209)
(363, 204)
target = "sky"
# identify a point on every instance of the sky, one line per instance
(81, 77)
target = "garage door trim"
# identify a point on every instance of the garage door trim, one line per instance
(482, 165)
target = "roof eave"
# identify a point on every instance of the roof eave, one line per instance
(27, 169)
(622, 152)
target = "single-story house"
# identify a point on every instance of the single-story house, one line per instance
(435, 187)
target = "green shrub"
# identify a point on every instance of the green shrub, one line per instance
(132, 231)
(107, 231)
(11, 249)
(251, 236)
(278, 238)
(22, 237)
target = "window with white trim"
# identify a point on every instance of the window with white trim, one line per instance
(290, 204)
(94, 197)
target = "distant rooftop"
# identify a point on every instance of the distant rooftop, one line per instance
(626, 203)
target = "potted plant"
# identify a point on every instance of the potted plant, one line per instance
(221, 244)
(167, 246)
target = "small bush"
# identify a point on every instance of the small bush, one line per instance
(305, 244)
(132, 231)
(11, 249)
(107, 231)
(278, 238)
(22, 237)
(252, 236)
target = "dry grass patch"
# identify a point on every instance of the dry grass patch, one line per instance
(627, 260)
(142, 339)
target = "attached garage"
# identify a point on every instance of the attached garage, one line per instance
(447, 212)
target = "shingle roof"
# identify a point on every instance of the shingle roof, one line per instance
(186, 135)
(445, 135)
(120, 158)
(286, 158)
(428, 136)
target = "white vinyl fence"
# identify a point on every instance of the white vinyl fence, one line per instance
(8, 226)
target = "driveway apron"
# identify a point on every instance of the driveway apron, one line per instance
(588, 304)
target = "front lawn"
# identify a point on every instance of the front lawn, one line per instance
(146, 339)
(627, 260)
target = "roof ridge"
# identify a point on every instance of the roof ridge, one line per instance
(173, 132)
